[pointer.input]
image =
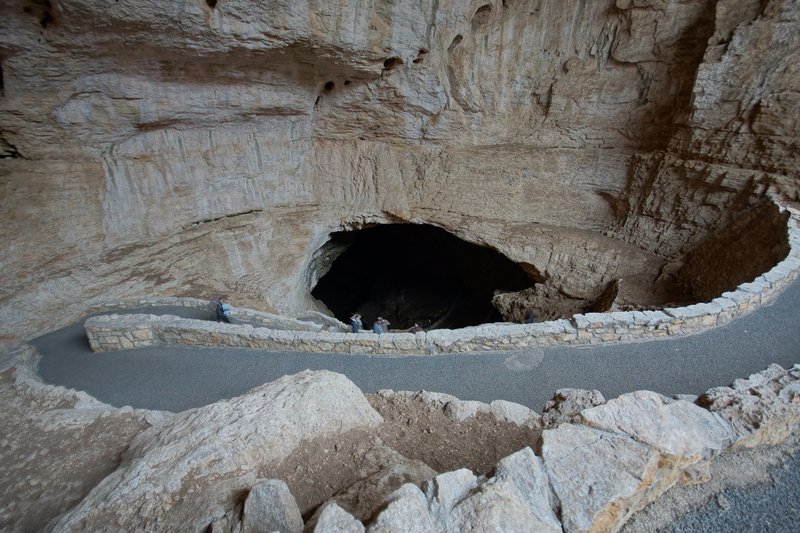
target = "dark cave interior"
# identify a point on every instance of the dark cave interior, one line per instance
(409, 273)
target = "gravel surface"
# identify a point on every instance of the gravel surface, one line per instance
(774, 507)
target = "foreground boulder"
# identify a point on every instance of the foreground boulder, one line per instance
(763, 409)
(192, 469)
(674, 427)
(517, 498)
(271, 507)
(599, 477)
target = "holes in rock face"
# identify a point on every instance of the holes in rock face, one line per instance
(420, 56)
(211, 3)
(391, 63)
(414, 273)
(41, 9)
(346, 83)
(456, 41)
(481, 16)
(328, 88)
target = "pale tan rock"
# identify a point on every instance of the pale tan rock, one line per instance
(270, 507)
(599, 477)
(675, 428)
(407, 510)
(334, 519)
(218, 451)
(515, 413)
(517, 498)
(762, 409)
(567, 405)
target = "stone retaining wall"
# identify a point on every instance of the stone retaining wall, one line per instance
(311, 321)
(114, 332)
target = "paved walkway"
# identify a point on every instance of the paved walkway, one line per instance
(179, 378)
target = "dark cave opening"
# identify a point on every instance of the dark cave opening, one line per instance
(410, 273)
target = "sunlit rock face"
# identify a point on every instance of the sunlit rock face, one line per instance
(197, 148)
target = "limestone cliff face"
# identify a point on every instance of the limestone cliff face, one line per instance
(195, 147)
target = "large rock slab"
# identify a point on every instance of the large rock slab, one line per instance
(600, 478)
(406, 511)
(517, 498)
(190, 470)
(763, 409)
(677, 428)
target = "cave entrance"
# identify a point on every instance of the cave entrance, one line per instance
(409, 273)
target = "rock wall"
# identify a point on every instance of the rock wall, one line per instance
(207, 147)
(118, 332)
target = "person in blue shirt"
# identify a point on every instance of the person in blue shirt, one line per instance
(223, 311)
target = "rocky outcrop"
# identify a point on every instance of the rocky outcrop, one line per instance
(517, 497)
(615, 459)
(246, 462)
(762, 409)
(190, 470)
(212, 149)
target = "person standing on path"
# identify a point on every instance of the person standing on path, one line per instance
(377, 326)
(355, 323)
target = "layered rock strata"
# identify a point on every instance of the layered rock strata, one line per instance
(213, 147)
(115, 332)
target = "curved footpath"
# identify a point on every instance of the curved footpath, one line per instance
(178, 378)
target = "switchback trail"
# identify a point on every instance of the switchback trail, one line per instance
(178, 378)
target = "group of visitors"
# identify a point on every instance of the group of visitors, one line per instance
(381, 325)
(223, 311)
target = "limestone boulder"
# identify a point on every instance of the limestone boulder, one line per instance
(567, 404)
(600, 478)
(516, 498)
(363, 498)
(271, 507)
(334, 519)
(406, 510)
(676, 428)
(190, 470)
(763, 409)
(515, 413)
